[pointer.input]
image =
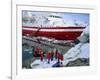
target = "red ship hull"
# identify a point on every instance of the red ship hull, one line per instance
(59, 33)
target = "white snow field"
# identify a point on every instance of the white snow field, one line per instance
(79, 51)
(43, 64)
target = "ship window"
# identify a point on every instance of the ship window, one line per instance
(55, 16)
(50, 16)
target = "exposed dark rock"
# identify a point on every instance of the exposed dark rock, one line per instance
(79, 62)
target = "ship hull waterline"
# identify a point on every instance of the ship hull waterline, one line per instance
(60, 33)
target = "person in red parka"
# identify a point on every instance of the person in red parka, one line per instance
(52, 55)
(48, 57)
(35, 52)
(41, 55)
(60, 56)
(56, 54)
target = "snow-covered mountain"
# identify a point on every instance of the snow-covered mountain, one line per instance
(50, 19)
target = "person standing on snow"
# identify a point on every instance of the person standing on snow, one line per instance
(56, 54)
(61, 58)
(58, 57)
(52, 55)
(48, 57)
(41, 55)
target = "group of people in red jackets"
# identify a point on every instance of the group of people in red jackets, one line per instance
(57, 55)
(39, 52)
(49, 55)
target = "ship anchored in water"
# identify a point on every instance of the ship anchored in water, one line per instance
(51, 26)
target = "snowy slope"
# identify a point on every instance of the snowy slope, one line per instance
(43, 64)
(79, 51)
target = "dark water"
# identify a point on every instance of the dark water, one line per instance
(26, 55)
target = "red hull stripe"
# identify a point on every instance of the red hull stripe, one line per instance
(60, 33)
(56, 35)
(57, 27)
(54, 30)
